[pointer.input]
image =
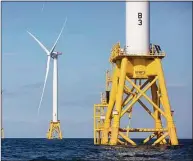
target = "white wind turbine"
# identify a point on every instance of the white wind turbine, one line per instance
(54, 55)
(43, 6)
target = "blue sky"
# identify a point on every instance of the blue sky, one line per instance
(92, 28)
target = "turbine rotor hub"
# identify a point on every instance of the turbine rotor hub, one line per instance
(55, 54)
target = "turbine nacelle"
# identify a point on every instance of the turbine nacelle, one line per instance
(58, 53)
(55, 54)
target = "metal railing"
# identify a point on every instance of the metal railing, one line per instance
(154, 50)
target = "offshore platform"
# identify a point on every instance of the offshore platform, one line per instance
(137, 69)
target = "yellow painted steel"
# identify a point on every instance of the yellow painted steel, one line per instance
(54, 130)
(136, 98)
(2, 133)
(149, 138)
(108, 80)
(145, 130)
(160, 139)
(119, 96)
(110, 107)
(98, 121)
(127, 139)
(2, 130)
(99, 117)
(121, 142)
(155, 98)
(132, 77)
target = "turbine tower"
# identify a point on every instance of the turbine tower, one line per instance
(137, 69)
(54, 128)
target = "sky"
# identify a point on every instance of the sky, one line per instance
(91, 31)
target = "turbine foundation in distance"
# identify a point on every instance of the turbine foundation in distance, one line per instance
(2, 133)
(54, 130)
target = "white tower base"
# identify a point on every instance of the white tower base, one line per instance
(55, 89)
(54, 129)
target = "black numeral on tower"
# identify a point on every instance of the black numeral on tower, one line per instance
(140, 18)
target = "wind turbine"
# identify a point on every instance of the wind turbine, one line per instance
(55, 123)
(43, 6)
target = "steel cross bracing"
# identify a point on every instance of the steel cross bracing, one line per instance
(132, 77)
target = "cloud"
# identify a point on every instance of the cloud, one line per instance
(22, 90)
(8, 93)
(33, 85)
(9, 54)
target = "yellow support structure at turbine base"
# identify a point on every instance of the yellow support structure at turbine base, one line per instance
(132, 77)
(2, 133)
(54, 130)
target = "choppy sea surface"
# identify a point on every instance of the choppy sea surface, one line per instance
(84, 149)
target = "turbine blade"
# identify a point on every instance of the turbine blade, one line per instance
(43, 6)
(47, 71)
(58, 37)
(42, 46)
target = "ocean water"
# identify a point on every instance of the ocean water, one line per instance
(84, 149)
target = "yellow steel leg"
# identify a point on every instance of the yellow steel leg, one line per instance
(118, 107)
(94, 124)
(148, 138)
(160, 139)
(54, 128)
(166, 104)
(121, 142)
(158, 124)
(110, 107)
(99, 137)
(127, 139)
(2, 133)
(129, 124)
